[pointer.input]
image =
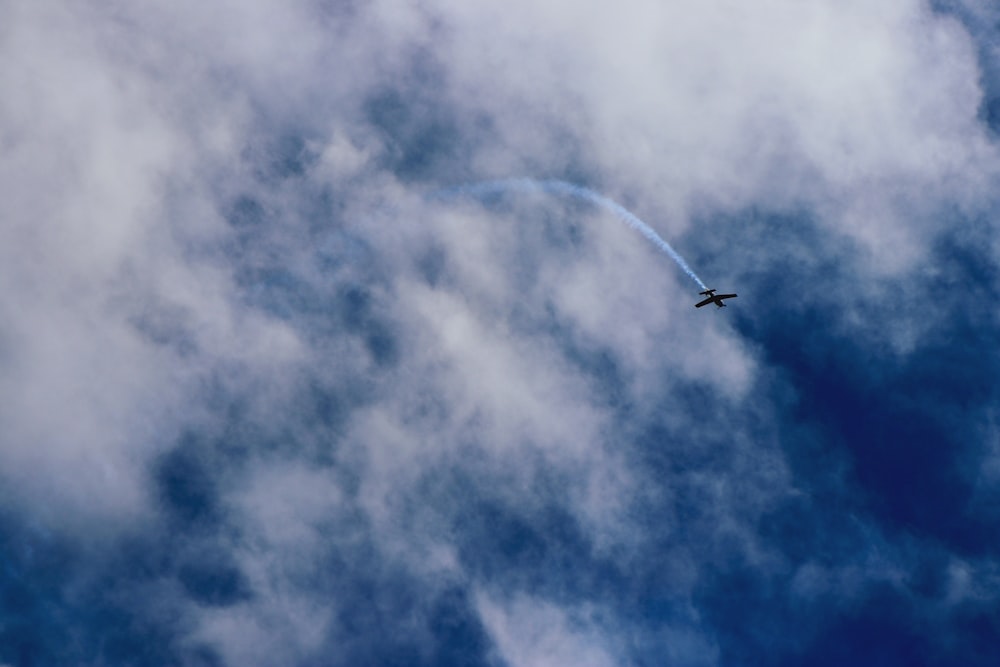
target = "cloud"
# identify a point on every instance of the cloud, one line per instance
(820, 105)
(251, 367)
(533, 633)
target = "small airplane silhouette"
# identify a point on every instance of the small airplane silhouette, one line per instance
(713, 298)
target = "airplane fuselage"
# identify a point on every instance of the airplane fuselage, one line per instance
(713, 298)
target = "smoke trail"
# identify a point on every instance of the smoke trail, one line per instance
(579, 192)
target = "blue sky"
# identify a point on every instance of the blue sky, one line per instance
(267, 399)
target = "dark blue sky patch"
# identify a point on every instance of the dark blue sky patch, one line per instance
(249, 221)
(818, 528)
(419, 133)
(389, 617)
(971, 636)
(749, 616)
(186, 485)
(870, 434)
(62, 603)
(539, 547)
(326, 405)
(600, 366)
(681, 456)
(459, 637)
(760, 622)
(33, 603)
(903, 422)
(284, 294)
(901, 456)
(247, 213)
(501, 540)
(881, 633)
(213, 579)
(966, 280)
(358, 314)
(119, 636)
(433, 266)
(381, 346)
(990, 113)
(281, 156)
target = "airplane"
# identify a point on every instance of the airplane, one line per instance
(713, 298)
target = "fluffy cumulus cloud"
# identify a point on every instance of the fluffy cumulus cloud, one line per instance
(276, 390)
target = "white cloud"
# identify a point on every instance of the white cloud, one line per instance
(863, 112)
(127, 130)
(532, 633)
(284, 514)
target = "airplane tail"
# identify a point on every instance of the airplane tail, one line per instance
(709, 292)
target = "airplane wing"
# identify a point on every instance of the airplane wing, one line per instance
(704, 303)
(725, 296)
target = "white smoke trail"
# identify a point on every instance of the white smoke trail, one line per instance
(579, 192)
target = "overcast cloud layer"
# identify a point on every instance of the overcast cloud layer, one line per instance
(267, 400)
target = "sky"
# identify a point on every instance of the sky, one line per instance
(280, 386)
